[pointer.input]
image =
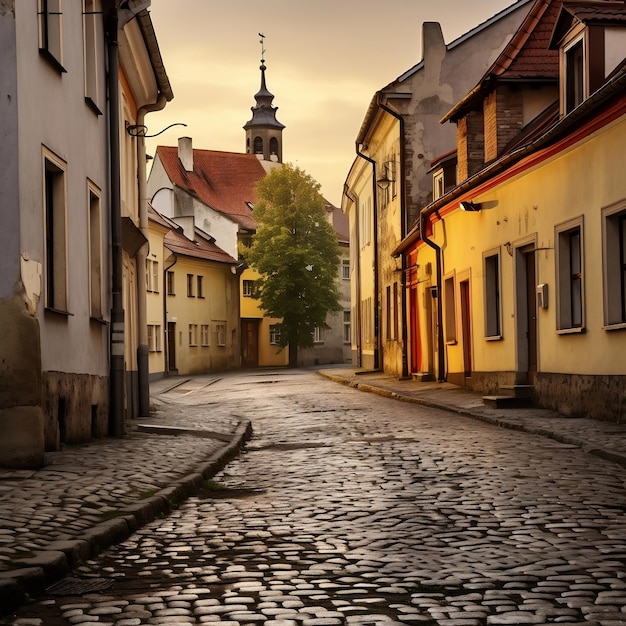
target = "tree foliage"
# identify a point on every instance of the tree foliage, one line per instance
(296, 253)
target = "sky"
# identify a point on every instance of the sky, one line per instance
(325, 61)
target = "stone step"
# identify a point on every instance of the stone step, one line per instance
(518, 391)
(507, 402)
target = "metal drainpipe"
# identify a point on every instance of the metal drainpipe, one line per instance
(143, 367)
(378, 350)
(404, 225)
(441, 361)
(117, 370)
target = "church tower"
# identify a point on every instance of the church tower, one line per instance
(264, 133)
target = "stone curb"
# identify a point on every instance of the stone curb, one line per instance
(34, 574)
(496, 419)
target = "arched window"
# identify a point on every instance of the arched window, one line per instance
(273, 145)
(258, 145)
(248, 145)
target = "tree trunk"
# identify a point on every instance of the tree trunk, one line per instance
(293, 354)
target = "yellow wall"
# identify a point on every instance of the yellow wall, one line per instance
(526, 209)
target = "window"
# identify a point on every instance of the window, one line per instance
(204, 334)
(317, 335)
(55, 212)
(388, 313)
(193, 334)
(396, 315)
(200, 292)
(391, 321)
(275, 334)
(258, 145)
(569, 275)
(345, 269)
(170, 283)
(190, 293)
(50, 14)
(274, 146)
(220, 333)
(493, 315)
(95, 251)
(614, 227)
(449, 310)
(152, 275)
(154, 337)
(365, 222)
(347, 331)
(91, 30)
(438, 185)
(574, 75)
(248, 288)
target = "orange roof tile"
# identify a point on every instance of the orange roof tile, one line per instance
(224, 181)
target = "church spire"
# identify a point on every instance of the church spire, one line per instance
(264, 133)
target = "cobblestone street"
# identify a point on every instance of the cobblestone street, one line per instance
(351, 508)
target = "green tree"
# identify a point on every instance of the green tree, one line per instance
(296, 253)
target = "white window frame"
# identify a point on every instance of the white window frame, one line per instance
(347, 326)
(193, 335)
(274, 334)
(449, 309)
(220, 333)
(614, 271)
(566, 299)
(345, 269)
(171, 283)
(248, 287)
(54, 201)
(94, 208)
(318, 335)
(50, 25)
(154, 338)
(492, 272)
(204, 335)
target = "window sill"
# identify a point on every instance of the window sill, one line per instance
(54, 62)
(98, 320)
(59, 312)
(620, 326)
(451, 342)
(572, 331)
(494, 338)
(91, 103)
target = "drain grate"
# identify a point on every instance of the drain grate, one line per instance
(72, 586)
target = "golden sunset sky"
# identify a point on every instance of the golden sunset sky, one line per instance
(325, 60)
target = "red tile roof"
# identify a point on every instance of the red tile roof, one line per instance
(203, 246)
(224, 181)
(526, 57)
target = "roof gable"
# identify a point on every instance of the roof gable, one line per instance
(224, 181)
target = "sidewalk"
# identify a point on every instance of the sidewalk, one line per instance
(94, 495)
(606, 440)
(90, 496)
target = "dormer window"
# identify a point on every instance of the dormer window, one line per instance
(574, 60)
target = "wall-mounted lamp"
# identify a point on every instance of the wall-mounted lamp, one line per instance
(470, 206)
(387, 176)
(139, 130)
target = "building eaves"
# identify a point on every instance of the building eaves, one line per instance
(152, 45)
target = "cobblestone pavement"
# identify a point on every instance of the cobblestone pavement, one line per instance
(351, 508)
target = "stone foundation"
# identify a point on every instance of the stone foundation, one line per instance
(75, 408)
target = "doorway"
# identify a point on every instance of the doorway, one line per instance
(171, 348)
(466, 327)
(526, 309)
(249, 343)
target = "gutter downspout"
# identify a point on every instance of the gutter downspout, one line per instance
(404, 230)
(441, 362)
(143, 367)
(377, 351)
(117, 368)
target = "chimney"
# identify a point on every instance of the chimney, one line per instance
(185, 153)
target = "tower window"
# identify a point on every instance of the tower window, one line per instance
(258, 145)
(273, 145)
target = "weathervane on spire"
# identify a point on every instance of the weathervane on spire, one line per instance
(262, 42)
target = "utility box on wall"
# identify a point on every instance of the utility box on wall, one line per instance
(542, 296)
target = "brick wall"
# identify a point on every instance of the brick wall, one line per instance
(503, 119)
(470, 143)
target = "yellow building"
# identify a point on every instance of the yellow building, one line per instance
(531, 290)
(193, 301)
(389, 181)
